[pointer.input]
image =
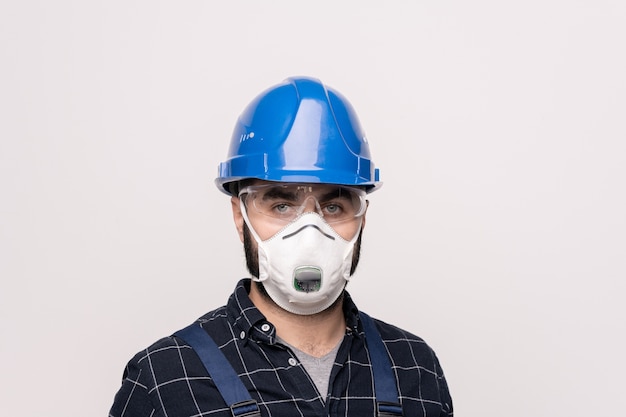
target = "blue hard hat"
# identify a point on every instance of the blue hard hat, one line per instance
(299, 131)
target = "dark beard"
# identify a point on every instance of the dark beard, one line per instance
(252, 258)
(252, 255)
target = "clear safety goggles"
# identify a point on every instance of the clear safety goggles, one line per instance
(286, 201)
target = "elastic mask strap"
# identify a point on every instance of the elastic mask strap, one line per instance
(244, 213)
(387, 399)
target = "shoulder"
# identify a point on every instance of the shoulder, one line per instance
(167, 355)
(406, 349)
(391, 333)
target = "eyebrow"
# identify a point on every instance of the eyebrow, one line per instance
(332, 194)
(279, 193)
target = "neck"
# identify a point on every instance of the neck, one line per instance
(315, 334)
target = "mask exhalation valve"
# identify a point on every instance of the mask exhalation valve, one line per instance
(307, 278)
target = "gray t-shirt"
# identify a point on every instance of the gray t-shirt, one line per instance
(317, 368)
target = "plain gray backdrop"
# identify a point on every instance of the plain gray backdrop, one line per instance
(498, 236)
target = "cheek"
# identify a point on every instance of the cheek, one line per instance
(347, 230)
(265, 226)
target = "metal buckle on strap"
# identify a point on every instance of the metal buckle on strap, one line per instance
(387, 409)
(247, 408)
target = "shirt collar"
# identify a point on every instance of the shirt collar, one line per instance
(249, 321)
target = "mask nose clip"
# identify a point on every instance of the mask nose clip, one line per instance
(307, 279)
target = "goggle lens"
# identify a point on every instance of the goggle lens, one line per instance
(288, 201)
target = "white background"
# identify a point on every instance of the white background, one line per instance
(499, 235)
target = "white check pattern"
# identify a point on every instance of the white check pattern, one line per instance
(168, 379)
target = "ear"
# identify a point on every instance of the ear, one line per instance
(237, 216)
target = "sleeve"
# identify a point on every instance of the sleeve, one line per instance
(444, 392)
(132, 399)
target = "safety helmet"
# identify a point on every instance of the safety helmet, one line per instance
(299, 131)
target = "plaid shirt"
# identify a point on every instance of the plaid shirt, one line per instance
(168, 378)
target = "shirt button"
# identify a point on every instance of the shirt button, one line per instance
(242, 335)
(292, 362)
(265, 327)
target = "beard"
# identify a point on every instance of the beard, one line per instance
(252, 259)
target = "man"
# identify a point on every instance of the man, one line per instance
(298, 173)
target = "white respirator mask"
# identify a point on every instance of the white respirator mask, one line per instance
(306, 265)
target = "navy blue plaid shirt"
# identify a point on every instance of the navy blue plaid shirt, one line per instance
(168, 378)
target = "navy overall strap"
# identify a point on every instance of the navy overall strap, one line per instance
(241, 403)
(388, 402)
(226, 379)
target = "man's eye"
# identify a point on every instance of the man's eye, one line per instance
(281, 207)
(332, 208)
